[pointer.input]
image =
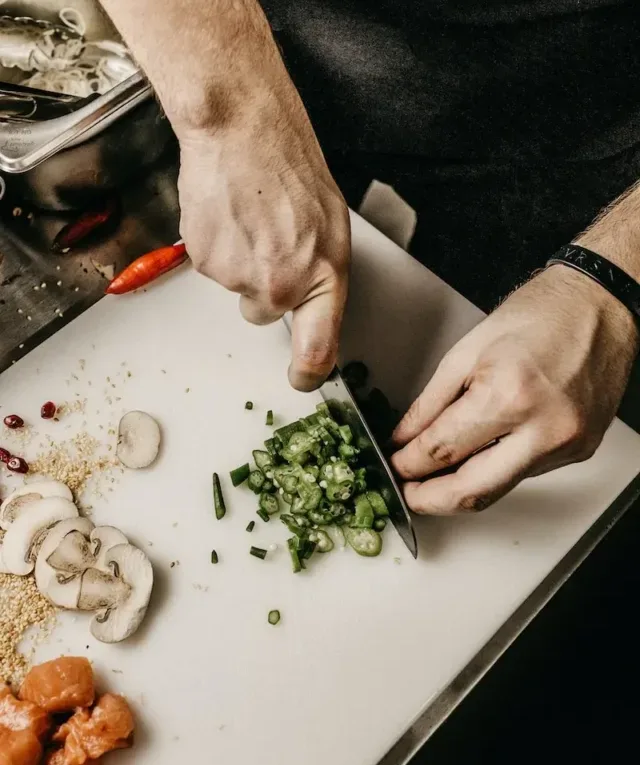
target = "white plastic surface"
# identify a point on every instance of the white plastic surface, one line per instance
(363, 645)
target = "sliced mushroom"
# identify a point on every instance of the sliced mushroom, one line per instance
(15, 504)
(103, 538)
(26, 534)
(138, 440)
(60, 561)
(121, 592)
(101, 591)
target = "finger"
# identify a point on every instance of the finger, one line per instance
(315, 332)
(478, 483)
(443, 388)
(464, 427)
(256, 313)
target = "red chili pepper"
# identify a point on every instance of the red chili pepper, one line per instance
(84, 225)
(147, 268)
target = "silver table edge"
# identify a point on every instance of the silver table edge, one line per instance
(444, 703)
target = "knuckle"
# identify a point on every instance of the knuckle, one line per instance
(517, 395)
(473, 503)
(438, 451)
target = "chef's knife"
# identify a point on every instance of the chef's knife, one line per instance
(338, 397)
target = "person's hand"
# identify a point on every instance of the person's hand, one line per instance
(541, 377)
(261, 215)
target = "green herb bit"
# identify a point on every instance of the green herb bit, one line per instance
(240, 474)
(214, 556)
(218, 499)
(269, 420)
(258, 552)
(251, 526)
(264, 515)
(274, 617)
(249, 405)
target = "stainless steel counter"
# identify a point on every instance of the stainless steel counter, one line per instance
(40, 291)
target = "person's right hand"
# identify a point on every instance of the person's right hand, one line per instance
(261, 215)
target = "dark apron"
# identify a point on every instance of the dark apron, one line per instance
(507, 125)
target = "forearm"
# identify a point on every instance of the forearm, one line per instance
(615, 234)
(206, 60)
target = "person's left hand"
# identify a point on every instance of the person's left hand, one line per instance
(542, 376)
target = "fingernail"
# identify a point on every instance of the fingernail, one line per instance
(303, 381)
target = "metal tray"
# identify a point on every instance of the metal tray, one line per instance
(25, 140)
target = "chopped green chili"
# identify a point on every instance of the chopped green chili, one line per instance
(258, 552)
(251, 526)
(256, 481)
(249, 405)
(240, 474)
(218, 499)
(268, 503)
(364, 516)
(214, 556)
(366, 542)
(314, 466)
(269, 420)
(274, 617)
(263, 460)
(293, 552)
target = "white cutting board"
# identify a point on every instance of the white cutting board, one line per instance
(363, 644)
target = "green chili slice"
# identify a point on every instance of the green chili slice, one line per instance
(240, 474)
(218, 500)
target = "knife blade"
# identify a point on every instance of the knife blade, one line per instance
(336, 394)
(338, 398)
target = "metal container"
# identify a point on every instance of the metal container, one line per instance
(39, 130)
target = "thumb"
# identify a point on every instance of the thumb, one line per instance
(315, 332)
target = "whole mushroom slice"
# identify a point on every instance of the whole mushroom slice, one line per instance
(26, 534)
(64, 555)
(16, 503)
(120, 593)
(138, 440)
(103, 538)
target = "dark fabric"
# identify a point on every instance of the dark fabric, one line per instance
(508, 125)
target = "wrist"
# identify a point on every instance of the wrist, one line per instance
(593, 302)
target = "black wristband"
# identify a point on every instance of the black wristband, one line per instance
(607, 274)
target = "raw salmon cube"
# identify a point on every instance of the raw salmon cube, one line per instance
(90, 734)
(60, 685)
(19, 747)
(23, 716)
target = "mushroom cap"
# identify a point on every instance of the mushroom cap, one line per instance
(125, 614)
(63, 593)
(28, 530)
(138, 440)
(15, 504)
